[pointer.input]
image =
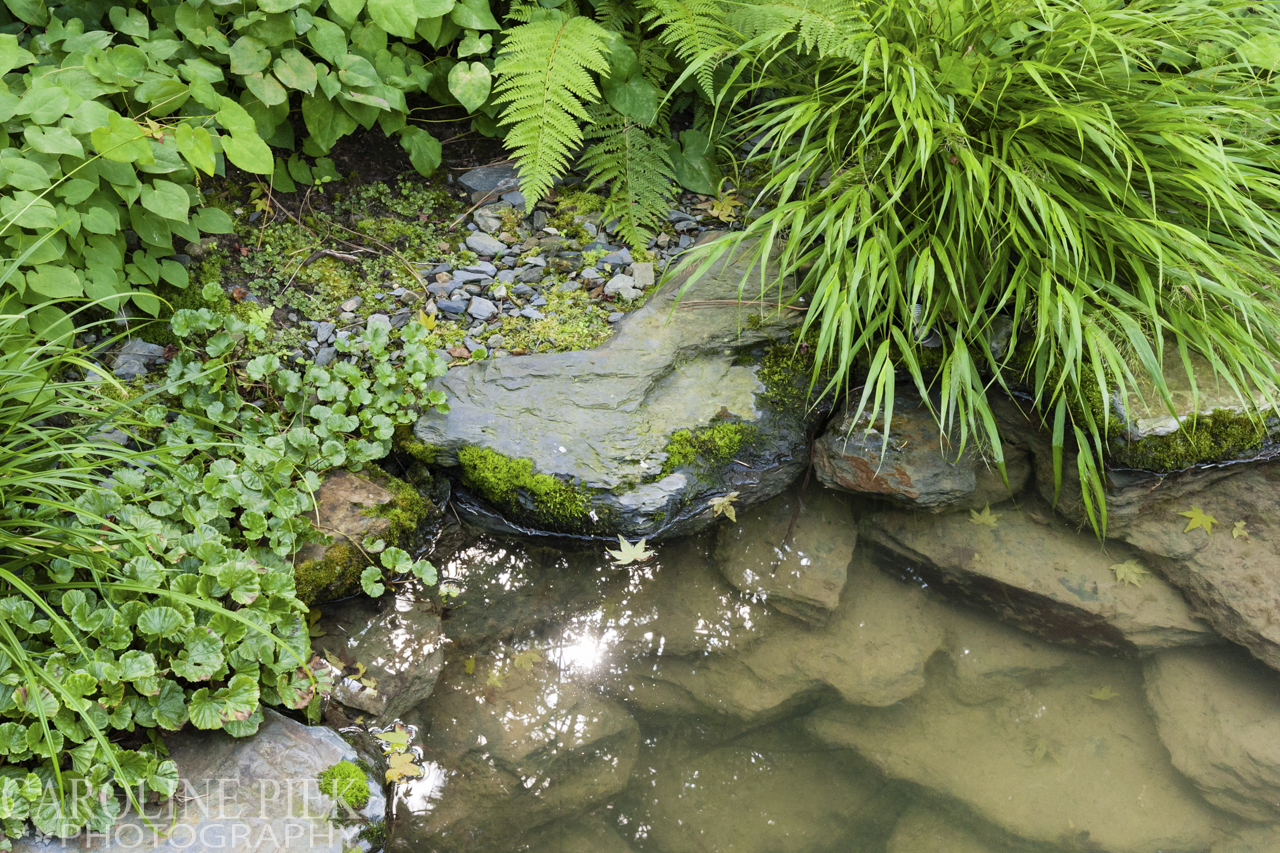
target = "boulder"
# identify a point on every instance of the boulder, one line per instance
(589, 834)
(390, 659)
(925, 829)
(1232, 581)
(1217, 714)
(491, 180)
(871, 652)
(989, 660)
(917, 469)
(801, 575)
(1049, 763)
(580, 442)
(777, 791)
(515, 747)
(258, 794)
(1041, 574)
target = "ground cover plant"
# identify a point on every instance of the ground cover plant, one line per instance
(1100, 178)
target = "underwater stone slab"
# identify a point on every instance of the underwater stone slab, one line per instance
(1220, 719)
(1036, 571)
(917, 469)
(928, 830)
(781, 792)
(512, 748)
(1233, 582)
(1254, 839)
(401, 647)
(1048, 764)
(802, 575)
(602, 418)
(257, 794)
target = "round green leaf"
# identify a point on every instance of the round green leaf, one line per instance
(166, 199)
(433, 8)
(296, 71)
(475, 44)
(423, 148)
(249, 153)
(268, 89)
(327, 39)
(397, 17)
(55, 282)
(473, 15)
(248, 55)
(470, 83)
(635, 98)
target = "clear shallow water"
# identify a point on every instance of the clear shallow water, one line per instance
(585, 707)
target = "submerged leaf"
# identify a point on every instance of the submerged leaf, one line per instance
(986, 518)
(1199, 519)
(628, 553)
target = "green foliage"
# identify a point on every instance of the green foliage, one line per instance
(706, 447)
(345, 783)
(543, 79)
(1051, 163)
(1221, 436)
(504, 481)
(632, 166)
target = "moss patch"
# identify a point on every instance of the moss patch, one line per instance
(499, 480)
(408, 443)
(706, 448)
(1223, 435)
(407, 510)
(332, 576)
(345, 783)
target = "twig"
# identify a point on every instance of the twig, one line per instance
(330, 253)
(795, 514)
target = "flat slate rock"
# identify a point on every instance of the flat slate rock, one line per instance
(243, 795)
(602, 418)
(1039, 573)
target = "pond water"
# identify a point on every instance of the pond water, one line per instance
(656, 707)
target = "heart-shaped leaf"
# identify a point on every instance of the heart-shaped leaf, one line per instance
(470, 83)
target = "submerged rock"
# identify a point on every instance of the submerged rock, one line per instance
(401, 652)
(583, 442)
(242, 795)
(917, 469)
(1049, 764)
(1232, 580)
(801, 575)
(927, 830)
(1255, 839)
(1034, 570)
(589, 834)
(779, 792)
(1220, 719)
(516, 748)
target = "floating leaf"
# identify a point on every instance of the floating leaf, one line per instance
(402, 766)
(628, 553)
(724, 506)
(1199, 519)
(1129, 572)
(526, 659)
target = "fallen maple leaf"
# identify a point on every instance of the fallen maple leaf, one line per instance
(986, 518)
(1128, 572)
(402, 766)
(1199, 519)
(1238, 531)
(628, 553)
(1103, 694)
(724, 506)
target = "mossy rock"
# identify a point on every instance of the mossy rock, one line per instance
(354, 509)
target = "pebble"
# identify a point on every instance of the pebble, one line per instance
(538, 301)
(471, 344)
(483, 244)
(620, 258)
(441, 291)
(643, 275)
(507, 276)
(532, 274)
(325, 355)
(324, 332)
(346, 316)
(537, 261)
(483, 267)
(532, 313)
(463, 276)
(616, 316)
(623, 286)
(396, 292)
(523, 291)
(376, 320)
(293, 318)
(410, 298)
(591, 273)
(481, 308)
(516, 199)
(496, 341)
(452, 306)
(498, 291)
(400, 319)
(686, 225)
(685, 241)
(570, 286)
(352, 304)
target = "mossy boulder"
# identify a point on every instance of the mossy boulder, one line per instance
(354, 509)
(635, 437)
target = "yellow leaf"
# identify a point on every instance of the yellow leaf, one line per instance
(402, 766)
(1128, 572)
(526, 659)
(1238, 531)
(1103, 694)
(470, 666)
(628, 553)
(986, 518)
(724, 505)
(1199, 519)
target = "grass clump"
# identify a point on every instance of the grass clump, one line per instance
(345, 783)
(932, 168)
(500, 480)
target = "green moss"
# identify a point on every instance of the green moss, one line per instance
(579, 202)
(707, 447)
(787, 373)
(192, 297)
(572, 321)
(375, 833)
(345, 783)
(406, 442)
(406, 511)
(334, 575)
(500, 479)
(1223, 435)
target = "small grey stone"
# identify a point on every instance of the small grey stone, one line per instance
(482, 267)
(516, 199)
(452, 306)
(429, 308)
(352, 304)
(376, 320)
(483, 244)
(471, 344)
(523, 291)
(590, 229)
(686, 225)
(114, 436)
(599, 246)
(400, 319)
(532, 313)
(471, 226)
(489, 217)
(488, 179)
(481, 308)
(495, 341)
(313, 345)
(679, 216)
(537, 261)
(620, 258)
(396, 292)
(539, 220)
(464, 276)
(325, 355)
(499, 353)
(145, 350)
(378, 297)
(538, 301)
(507, 276)
(410, 298)
(324, 332)
(643, 275)
(570, 286)
(441, 291)
(532, 274)
(616, 316)
(498, 291)
(475, 329)
(346, 316)
(591, 273)
(514, 312)
(439, 268)
(622, 286)
(475, 289)
(685, 241)
(293, 318)
(130, 367)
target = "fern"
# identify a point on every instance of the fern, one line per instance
(829, 28)
(543, 79)
(694, 29)
(636, 168)
(616, 15)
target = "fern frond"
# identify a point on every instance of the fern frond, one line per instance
(695, 30)
(636, 169)
(828, 28)
(543, 79)
(616, 15)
